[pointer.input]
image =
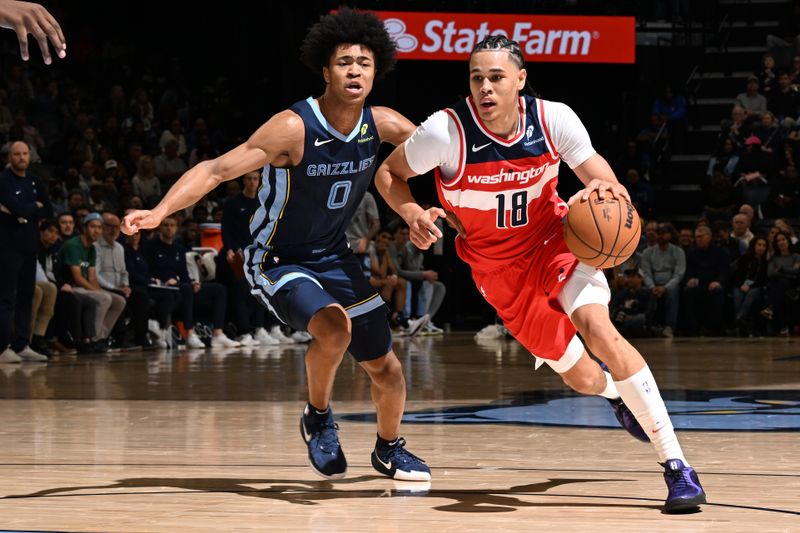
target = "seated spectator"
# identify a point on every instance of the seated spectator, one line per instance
(78, 260)
(166, 301)
(364, 226)
(749, 280)
(737, 129)
(751, 100)
(741, 229)
(672, 109)
(629, 306)
(383, 276)
(204, 151)
(663, 267)
(145, 183)
(707, 271)
(769, 133)
(784, 226)
(409, 261)
(216, 214)
(167, 262)
(748, 211)
(190, 234)
(112, 275)
(651, 233)
(66, 226)
(174, 133)
(168, 166)
(686, 239)
(74, 313)
(57, 196)
(43, 307)
(766, 77)
(641, 193)
(721, 230)
(751, 173)
(783, 276)
(724, 160)
(785, 101)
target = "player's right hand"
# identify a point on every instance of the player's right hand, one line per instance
(139, 220)
(422, 231)
(27, 17)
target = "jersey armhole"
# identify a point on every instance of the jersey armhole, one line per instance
(547, 139)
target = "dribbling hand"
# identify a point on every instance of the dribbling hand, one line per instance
(617, 191)
(139, 220)
(422, 231)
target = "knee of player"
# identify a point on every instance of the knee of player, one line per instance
(583, 383)
(331, 326)
(387, 369)
(601, 336)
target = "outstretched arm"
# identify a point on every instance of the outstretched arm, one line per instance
(278, 141)
(27, 17)
(391, 179)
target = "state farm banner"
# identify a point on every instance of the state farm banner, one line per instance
(542, 37)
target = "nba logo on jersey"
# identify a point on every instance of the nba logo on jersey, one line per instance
(529, 132)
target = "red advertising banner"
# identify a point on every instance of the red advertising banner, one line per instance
(542, 37)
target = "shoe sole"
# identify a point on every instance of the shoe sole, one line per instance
(681, 506)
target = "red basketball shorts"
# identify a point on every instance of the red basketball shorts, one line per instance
(534, 296)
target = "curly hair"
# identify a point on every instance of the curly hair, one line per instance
(348, 26)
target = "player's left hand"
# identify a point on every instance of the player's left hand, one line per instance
(456, 224)
(422, 231)
(602, 187)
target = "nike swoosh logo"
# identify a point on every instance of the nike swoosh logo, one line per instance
(478, 148)
(317, 142)
(306, 436)
(387, 466)
(657, 430)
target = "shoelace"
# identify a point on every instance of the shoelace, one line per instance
(678, 478)
(328, 440)
(398, 453)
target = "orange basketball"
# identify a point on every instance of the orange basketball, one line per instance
(602, 232)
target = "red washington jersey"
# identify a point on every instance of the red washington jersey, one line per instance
(502, 190)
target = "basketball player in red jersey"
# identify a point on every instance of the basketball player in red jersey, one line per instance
(496, 156)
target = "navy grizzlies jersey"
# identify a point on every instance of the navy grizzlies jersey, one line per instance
(305, 209)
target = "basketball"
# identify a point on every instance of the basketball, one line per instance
(602, 233)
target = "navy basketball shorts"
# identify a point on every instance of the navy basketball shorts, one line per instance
(294, 292)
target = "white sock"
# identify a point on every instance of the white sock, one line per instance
(610, 391)
(640, 393)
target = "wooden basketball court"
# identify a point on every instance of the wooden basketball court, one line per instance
(209, 441)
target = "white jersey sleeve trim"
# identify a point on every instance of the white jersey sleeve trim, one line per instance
(568, 135)
(437, 142)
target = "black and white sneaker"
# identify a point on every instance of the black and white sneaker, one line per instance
(396, 462)
(325, 454)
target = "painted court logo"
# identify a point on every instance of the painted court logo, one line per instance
(767, 410)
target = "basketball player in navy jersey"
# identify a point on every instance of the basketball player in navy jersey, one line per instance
(318, 159)
(496, 156)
